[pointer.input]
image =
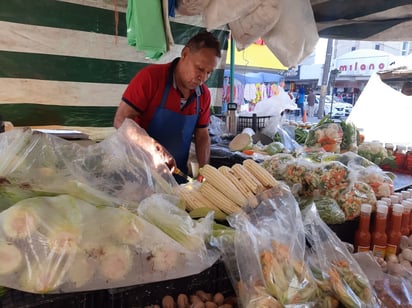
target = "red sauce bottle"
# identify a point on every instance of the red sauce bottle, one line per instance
(409, 204)
(379, 237)
(405, 217)
(394, 237)
(362, 234)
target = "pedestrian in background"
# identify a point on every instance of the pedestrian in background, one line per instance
(311, 103)
(300, 100)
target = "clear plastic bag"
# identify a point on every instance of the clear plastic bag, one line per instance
(326, 137)
(337, 272)
(64, 244)
(69, 214)
(266, 255)
(120, 170)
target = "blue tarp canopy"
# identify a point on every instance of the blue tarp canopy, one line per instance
(255, 77)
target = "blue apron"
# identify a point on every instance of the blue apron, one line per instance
(173, 130)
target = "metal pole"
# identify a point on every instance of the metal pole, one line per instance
(326, 69)
(232, 67)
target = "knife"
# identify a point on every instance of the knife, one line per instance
(180, 172)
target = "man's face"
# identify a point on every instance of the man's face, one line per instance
(197, 67)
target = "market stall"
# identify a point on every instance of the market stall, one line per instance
(106, 225)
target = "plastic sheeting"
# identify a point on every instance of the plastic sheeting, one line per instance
(383, 113)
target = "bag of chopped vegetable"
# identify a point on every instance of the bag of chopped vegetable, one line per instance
(123, 169)
(335, 179)
(325, 135)
(329, 210)
(277, 164)
(338, 275)
(268, 252)
(64, 244)
(351, 200)
(376, 178)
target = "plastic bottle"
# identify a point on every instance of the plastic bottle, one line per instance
(394, 237)
(400, 156)
(362, 234)
(405, 217)
(408, 160)
(379, 237)
(409, 203)
(394, 199)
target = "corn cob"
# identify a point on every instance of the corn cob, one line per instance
(218, 199)
(194, 199)
(241, 186)
(224, 185)
(260, 173)
(246, 177)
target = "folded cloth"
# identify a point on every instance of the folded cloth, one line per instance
(145, 28)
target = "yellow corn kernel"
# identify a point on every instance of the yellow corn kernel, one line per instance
(224, 185)
(260, 173)
(246, 177)
(218, 199)
(241, 186)
(194, 199)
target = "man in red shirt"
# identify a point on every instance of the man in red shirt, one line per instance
(172, 103)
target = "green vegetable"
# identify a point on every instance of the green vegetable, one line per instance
(329, 211)
(300, 135)
(274, 148)
(241, 142)
(349, 136)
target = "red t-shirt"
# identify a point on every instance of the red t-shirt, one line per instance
(144, 94)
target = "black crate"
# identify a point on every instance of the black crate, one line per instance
(254, 122)
(19, 299)
(211, 280)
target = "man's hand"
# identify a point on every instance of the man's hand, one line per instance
(164, 156)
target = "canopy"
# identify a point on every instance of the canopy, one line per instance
(290, 29)
(255, 77)
(364, 19)
(256, 56)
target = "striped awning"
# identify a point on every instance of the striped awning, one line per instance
(386, 20)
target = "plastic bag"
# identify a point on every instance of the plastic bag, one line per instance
(120, 170)
(327, 137)
(217, 126)
(336, 271)
(268, 252)
(64, 244)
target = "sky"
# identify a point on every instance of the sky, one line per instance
(320, 51)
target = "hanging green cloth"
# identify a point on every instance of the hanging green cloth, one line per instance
(145, 29)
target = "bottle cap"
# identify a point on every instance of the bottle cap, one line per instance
(382, 208)
(405, 194)
(366, 208)
(407, 203)
(400, 147)
(394, 199)
(397, 208)
(387, 200)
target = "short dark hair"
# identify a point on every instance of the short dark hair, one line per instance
(204, 40)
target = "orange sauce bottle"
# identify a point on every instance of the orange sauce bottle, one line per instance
(362, 234)
(379, 237)
(394, 237)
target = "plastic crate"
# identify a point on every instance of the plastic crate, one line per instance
(212, 280)
(254, 122)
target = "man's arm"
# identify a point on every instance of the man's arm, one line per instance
(202, 145)
(124, 111)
